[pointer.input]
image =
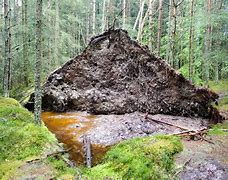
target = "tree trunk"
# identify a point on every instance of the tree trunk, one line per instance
(8, 56)
(56, 39)
(169, 46)
(94, 17)
(217, 45)
(38, 93)
(159, 27)
(25, 41)
(142, 2)
(104, 16)
(151, 11)
(190, 53)
(207, 43)
(124, 13)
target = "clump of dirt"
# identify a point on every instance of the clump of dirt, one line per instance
(115, 75)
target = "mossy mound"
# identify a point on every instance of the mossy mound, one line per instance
(20, 138)
(139, 158)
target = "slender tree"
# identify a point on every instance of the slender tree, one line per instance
(103, 16)
(151, 11)
(191, 37)
(8, 55)
(124, 5)
(25, 41)
(56, 39)
(208, 42)
(169, 46)
(94, 17)
(38, 92)
(159, 26)
(140, 19)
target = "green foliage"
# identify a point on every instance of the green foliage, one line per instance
(184, 70)
(139, 158)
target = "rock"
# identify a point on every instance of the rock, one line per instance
(115, 75)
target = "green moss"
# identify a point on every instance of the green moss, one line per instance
(61, 168)
(7, 169)
(20, 138)
(139, 158)
(8, 102)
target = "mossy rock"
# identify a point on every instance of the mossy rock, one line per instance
(139, 158)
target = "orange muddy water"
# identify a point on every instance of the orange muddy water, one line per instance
(68, 128)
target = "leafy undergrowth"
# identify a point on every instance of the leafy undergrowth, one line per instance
(20, 138)
(139, 158)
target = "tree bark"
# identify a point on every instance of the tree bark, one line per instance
(8, 55)
(124, 13)
(142, 3)
(25, 41)
(169, 46)
(191, 37)
(159, 27)
(38, 93)
(208, 43)
(151, 11)
(94, 17)
(104, 16)
(56, 39)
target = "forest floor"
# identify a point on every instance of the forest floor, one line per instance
(198, 160)
(208, 160)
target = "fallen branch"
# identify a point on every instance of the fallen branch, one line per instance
(167, 123)
(188, 132)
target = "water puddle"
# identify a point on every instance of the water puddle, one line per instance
(69, 128)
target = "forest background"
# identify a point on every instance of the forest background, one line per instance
(191, 35)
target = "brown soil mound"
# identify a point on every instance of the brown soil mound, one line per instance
(116, 75)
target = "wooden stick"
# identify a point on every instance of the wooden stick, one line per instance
(170, 124)
(87, 150)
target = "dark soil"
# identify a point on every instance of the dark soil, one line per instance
(115, 75)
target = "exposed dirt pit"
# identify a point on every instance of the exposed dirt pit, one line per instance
(107, 130)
